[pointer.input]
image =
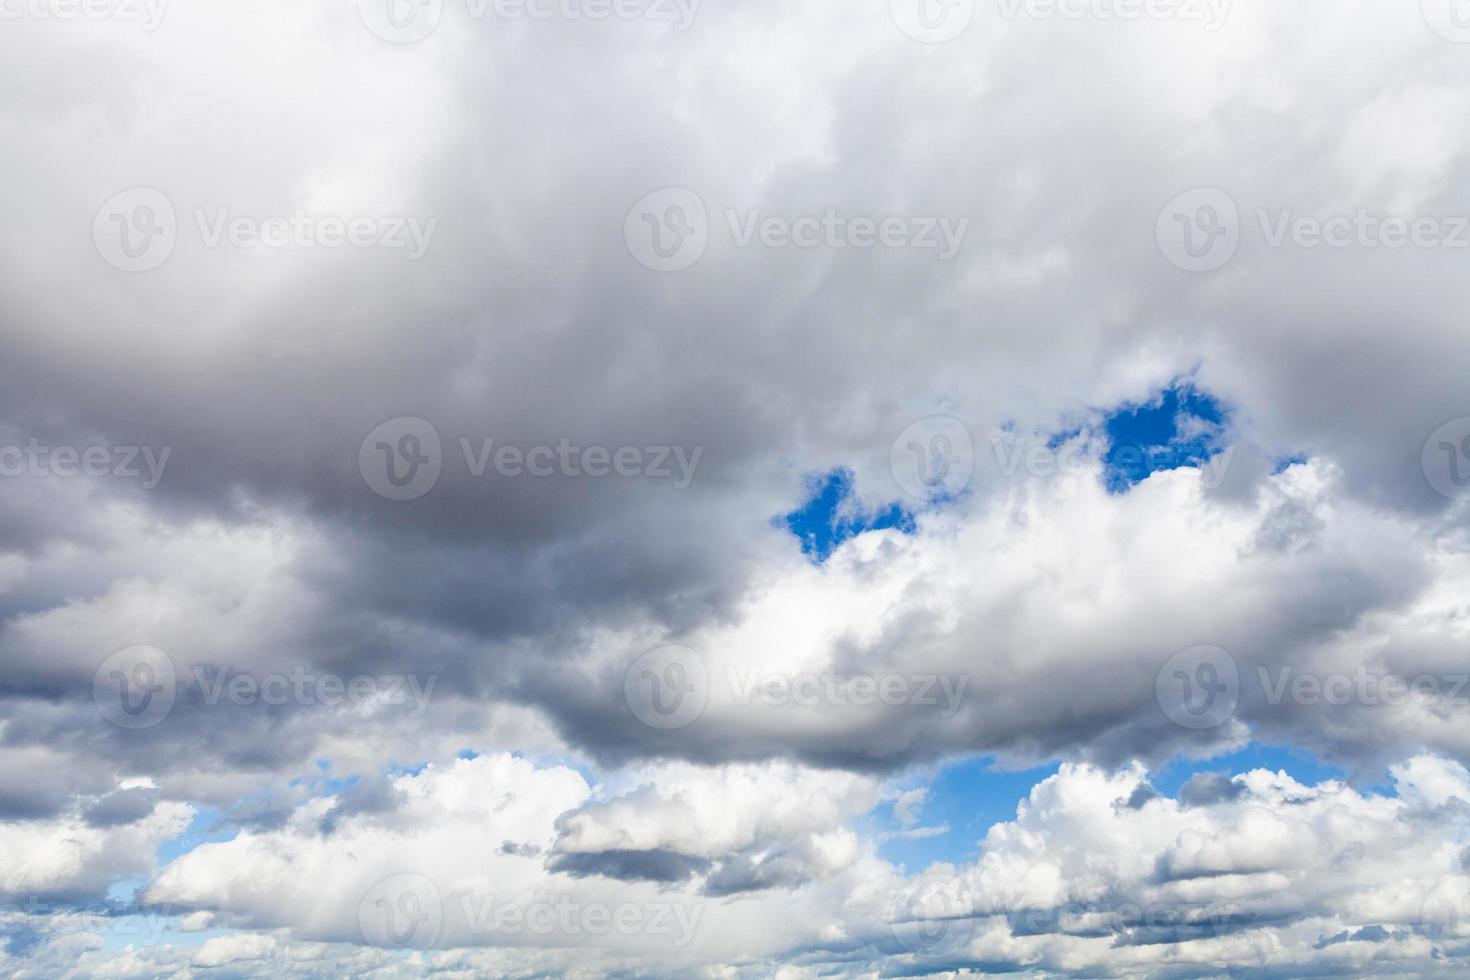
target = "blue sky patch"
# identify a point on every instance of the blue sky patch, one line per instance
(206, 828)
(966, 798)
(832, 514)
(1183, 426)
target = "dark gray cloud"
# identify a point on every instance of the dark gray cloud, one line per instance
(660, 865)
(365, 796)
(122, 807)
(1209, 788)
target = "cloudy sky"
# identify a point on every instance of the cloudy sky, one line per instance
(734, 488)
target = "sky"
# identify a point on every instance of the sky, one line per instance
(676, 488)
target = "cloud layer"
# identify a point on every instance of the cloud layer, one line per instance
(403, 408)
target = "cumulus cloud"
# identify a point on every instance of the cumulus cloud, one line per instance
(356, 695)
(1274, 877)
(1260, 877)
(74, 858)
(441, 853)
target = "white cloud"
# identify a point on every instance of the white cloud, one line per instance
(68, 860)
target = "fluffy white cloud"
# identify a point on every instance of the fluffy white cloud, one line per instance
(70, 859)
(474, 847)
(1096, 875)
